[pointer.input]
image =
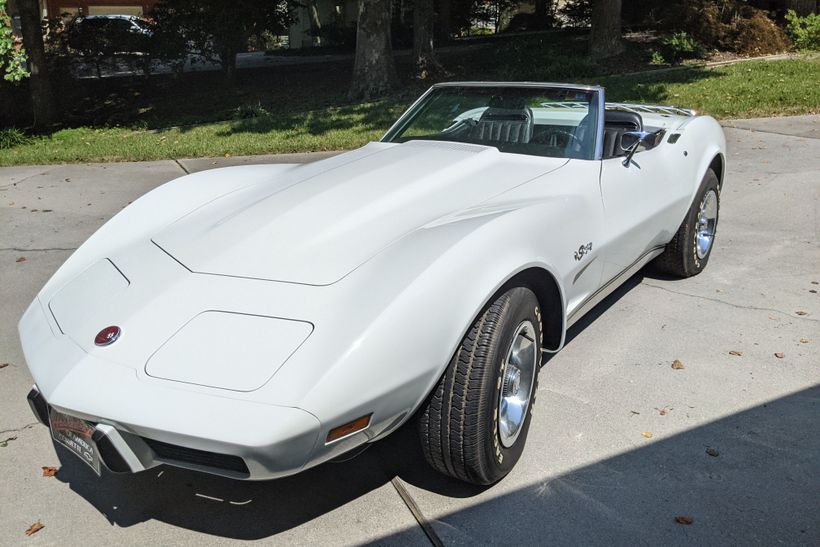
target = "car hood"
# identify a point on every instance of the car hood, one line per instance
(320, 225)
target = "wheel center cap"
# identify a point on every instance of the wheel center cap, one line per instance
(513, 381)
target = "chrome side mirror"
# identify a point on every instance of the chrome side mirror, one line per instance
(632, 140)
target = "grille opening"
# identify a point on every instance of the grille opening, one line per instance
(181, 454)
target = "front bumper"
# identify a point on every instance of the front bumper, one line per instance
(126, 450)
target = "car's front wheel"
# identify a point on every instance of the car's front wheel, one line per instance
(474, 425)
(688, 252)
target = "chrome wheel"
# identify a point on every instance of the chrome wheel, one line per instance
(518, 374)
(707, 222)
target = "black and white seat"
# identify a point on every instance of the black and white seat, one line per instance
(506, 121)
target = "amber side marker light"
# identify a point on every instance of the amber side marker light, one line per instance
(349, 428)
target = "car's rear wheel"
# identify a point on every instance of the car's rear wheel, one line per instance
(474, 425)
(688, 252)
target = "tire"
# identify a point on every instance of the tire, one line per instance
(688, 253)
(461, 423)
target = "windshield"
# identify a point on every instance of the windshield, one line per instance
(538, 121)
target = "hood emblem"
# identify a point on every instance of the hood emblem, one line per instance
(107, 336)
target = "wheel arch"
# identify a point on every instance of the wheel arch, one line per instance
(550, 299)
(718, 165)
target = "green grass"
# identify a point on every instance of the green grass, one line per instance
(291, 121)
(744, 90)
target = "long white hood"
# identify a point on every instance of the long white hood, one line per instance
(316, 228)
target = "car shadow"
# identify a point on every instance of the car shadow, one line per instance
(749, 478)
(254, 510)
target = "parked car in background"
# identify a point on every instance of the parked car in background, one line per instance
(109, 35)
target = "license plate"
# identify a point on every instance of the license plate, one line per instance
(76, 435)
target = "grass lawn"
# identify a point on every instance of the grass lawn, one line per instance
(304, 109)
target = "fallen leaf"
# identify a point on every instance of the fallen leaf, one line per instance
(804, 340)
(34, 528)
(712, 452)
(736, 353)
(647, 434)
(684, 520)
(677, 365)
(801, 312)
(49, 471)
(813, 291)
(779, 355)
(815, 282)
(21, 259)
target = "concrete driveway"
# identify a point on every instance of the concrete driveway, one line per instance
(621, 443)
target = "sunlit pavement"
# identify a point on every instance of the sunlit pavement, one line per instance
(618, 445)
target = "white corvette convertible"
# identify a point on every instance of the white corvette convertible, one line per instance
(253, 322)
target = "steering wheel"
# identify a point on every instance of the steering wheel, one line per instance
(459, 124)
(572, 137)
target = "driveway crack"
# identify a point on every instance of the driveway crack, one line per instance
(411, 504)
(15, 183)
(46, 250)
(6, 437)
(732, 304)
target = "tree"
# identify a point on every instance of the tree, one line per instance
(374, 70)
(42, 94)
(445, 20)
(802, 7)
(605, 36)
(315, 23)
(219, 29)
(425, 63)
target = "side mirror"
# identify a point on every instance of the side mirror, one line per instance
(632, 140)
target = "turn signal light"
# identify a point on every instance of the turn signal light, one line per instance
(349, 428)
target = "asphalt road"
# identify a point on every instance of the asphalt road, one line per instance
(591, 474)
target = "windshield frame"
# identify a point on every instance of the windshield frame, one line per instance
(599, 92)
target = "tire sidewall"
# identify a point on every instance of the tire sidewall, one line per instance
(523, 307)
(692, 263)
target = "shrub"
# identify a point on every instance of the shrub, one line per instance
(678, 47)
(11, 137)
(758, 35)
(804, 31)
(250, 111)
(734, 27)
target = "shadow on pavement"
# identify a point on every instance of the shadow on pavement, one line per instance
(762, 488)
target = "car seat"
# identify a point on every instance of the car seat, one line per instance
(616, 123)
(505, 120)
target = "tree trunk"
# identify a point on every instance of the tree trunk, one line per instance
(543, 14)
(227, 58)
(315, 22)
(541, 10)
(425, 63)
(445, 15)
(802, 7)
(605, 36)
(42, 95)
(374, 70)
